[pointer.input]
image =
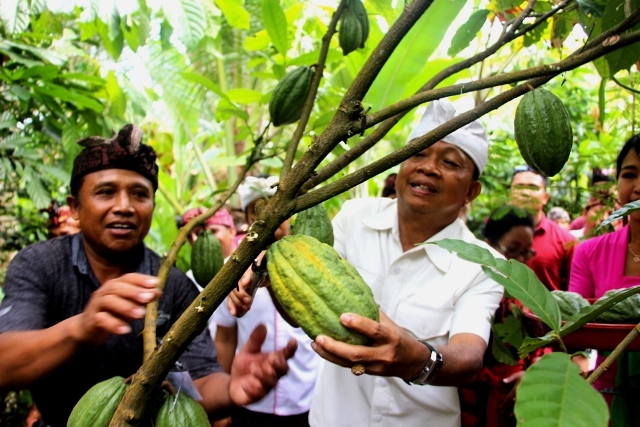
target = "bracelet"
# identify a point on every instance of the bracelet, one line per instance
(431, 368)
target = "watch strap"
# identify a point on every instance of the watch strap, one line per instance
(431, 368)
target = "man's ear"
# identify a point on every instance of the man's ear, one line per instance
(474, 191)
(73, 205)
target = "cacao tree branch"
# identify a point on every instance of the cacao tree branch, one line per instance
(313, 91)
(372, 139)
(622, 346)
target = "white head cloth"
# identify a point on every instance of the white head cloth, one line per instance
(254, 188)
(471, 138)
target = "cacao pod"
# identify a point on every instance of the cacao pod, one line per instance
(543, 131)
(289, 95)
(315, 286)
(357, 8)
(569, 302)
(206, 258)
(185, 413)
(351, 32)
(97, 406)
(314, 222)
(626, 311)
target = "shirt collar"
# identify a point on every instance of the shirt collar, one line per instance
(387, 218)
(80, 261)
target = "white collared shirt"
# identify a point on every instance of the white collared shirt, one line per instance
(293, 392)
(427, 290)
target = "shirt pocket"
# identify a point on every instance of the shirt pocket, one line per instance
(424, 321)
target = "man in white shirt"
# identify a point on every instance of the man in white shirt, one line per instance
(435, 307)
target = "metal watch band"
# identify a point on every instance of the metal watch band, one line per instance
(431, 369)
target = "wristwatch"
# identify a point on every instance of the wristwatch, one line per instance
(431, 369)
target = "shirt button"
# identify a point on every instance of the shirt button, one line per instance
(377, 418)
(396, 270)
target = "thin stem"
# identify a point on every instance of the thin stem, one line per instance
(606, 364)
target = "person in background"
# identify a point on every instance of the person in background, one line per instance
(389, 189)
(553, 245)
(489, 400)
(435, 308)
(612, 261)
(288, 403)
(596, 210)
(60, 222)
(73, 310)
(222, 225)
(560, 217)
(601, 189)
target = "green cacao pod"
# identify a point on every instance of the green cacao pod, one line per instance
(289, 95)
(543, 131)
(357, 8)
(315, 286)
(206, 257)
(314, 222)
(569, 303)
(97, 406)
(626, 311)
(350, 36)
(186, 412)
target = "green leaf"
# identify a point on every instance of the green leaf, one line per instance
(275, 22)
(468, 31)
(244, 96)
(112, 37)
(35, 189)
(7, 120)
(188, 19)
(234, 13)
(627, 209)
(500, 351)
(518, 279)
(46, 55)
(552, 393)
(591, 7)
(13, 141)
(197, 78)
(117, 98)
(14, 15)
(70, 134)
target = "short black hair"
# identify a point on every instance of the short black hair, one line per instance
(504, 219)
(527, 168)
(633, 142)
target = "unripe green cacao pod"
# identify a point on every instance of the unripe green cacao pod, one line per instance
(626, 311)
(289, 95)
(315, 286)
(185, 413)
(569, 303)
(206, 258)
(543, 131)
(314, 222)
(97, 406)
(350, 33)
(357, 8)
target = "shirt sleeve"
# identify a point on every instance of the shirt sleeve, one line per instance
(581, 278)
(24, 306)
(222, 316)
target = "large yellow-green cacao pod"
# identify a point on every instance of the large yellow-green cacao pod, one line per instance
(289, 95)
(314, 222)
(186, 412)
(543, 131)
(97, 406)
(315, 286)
(357, 8)
(350, 34)
(206, 257)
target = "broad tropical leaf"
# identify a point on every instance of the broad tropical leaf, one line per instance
(627, 209)
(235, 14)
(14, 15)
(518, 279)
(275, 22)
(552, 393)
(468, 31)
(188, 18)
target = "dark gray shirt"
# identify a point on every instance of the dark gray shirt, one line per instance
(50, 281)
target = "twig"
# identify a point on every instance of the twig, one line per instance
(606, 363)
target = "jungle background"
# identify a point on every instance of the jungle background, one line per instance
(197, 75)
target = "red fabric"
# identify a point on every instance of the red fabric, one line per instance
(221, 217)
(554, 248)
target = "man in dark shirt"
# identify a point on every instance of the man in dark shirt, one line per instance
(74, 306)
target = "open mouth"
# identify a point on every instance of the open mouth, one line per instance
(123, 226)
(425, 187)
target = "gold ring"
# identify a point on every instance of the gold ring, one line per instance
(357, 369)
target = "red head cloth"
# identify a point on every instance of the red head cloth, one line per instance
(221, 217)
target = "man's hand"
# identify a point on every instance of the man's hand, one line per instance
(254, 373)
(115, 304)
(239, 301)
